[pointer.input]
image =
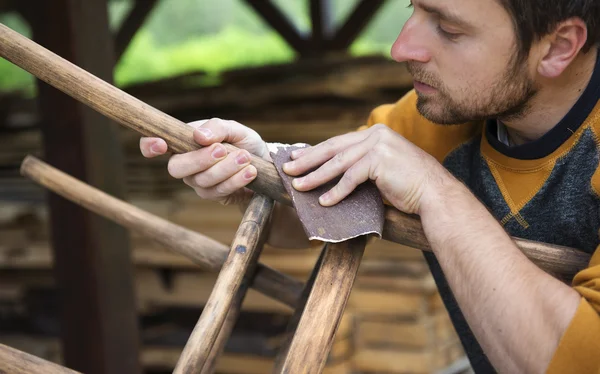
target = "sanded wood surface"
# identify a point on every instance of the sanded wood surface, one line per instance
(125, 109)
(207, 253)
(13, 361)
(324, 308)
(237, 269)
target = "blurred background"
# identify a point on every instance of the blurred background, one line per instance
(85, 293)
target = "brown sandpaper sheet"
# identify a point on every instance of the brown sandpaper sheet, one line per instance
(360, 213)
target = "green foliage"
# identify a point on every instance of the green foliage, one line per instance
(231, 48)
(212, 35)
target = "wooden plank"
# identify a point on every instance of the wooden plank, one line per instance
(92, 266)
(134, 21)
(355, 24)
(280, 23)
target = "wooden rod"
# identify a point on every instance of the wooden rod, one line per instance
(311, 344)
(146, 120)
(202, 250)
(219, 345)
(292, 325)
(236, 270)
(14, 361)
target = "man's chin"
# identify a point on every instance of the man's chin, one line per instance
(436, 113)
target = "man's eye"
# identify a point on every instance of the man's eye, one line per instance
(446, 34)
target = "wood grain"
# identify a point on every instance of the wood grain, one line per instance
(310, 346)
(125, 109)
(204, 251)
(17, 362)
(237, 270)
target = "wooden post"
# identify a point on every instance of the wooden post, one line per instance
(92, 260)
(135, 19)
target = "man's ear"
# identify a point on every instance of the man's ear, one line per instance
(562, 46)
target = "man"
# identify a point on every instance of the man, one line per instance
(500, 137)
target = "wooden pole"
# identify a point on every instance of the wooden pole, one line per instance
(312, 341)
(238, 269)
(294, 320)
(400, 228)
(204, 251)
(92, 256)
(13, 361)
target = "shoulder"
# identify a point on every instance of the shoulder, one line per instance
(404, 118)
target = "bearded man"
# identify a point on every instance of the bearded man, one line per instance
(499, 138)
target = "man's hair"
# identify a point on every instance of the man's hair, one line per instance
(534, 19)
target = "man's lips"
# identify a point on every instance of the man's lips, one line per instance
(423, 87)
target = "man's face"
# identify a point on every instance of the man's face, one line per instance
(462, 55)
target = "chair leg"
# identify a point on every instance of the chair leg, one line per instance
(237, 270)
(312, 341)
(295, 318)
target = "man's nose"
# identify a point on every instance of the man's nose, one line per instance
(409, 46)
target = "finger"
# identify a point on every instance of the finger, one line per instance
(222, 171)
(219, 130)
(309, 158)
(186, 164)
(335, 166)
(230, 186)
(152, 147)
(353, 177)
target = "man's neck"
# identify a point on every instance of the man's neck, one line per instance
(553, 101)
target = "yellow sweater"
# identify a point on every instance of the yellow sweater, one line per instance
(548, 191)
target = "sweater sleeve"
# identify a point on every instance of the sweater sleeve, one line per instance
(579, 348)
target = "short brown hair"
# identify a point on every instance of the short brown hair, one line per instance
(534, 19)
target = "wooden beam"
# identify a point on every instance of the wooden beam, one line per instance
(321, 16)
(92, 257)
(361, 16)
(130, 26)
(280, 23)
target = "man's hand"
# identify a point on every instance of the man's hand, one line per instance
(211, 171)
(405, 175)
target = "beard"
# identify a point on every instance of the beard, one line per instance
(507, 98)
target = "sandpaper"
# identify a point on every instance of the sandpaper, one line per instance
(360, 213)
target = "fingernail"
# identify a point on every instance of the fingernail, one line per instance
(155, 149)
(297, 153)
(249, 174)
(288, 165)
(298, 182)
(324, 199)
(219, 152)
(206, 132)
(241, 159)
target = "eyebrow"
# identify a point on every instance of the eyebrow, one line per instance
(444, 15)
